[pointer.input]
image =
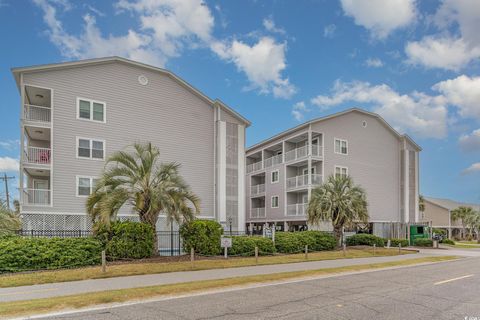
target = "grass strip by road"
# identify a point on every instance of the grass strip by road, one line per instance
(130, 269)
(39, 306)
(465, 245)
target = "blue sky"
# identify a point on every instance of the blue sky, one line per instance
(280, 63)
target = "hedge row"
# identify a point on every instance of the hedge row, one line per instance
(396, 242)
(423, 242)
(203, 236)
(363, 239)
(127, 240)
(245, 246)
(23, 254)
(293, 242)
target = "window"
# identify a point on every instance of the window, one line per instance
(275, 202)
(90, 110)
(90, 148)
(275, 176)
(341, 146)
(341, 171)
(85, 186)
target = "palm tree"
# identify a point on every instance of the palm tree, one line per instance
(472, 221)
(139, 181)
(339, 201)
(9, 220)
(462, 213)
(421, 204)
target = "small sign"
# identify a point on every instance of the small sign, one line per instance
(225, 242)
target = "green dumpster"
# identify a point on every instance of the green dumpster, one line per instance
(417, 232)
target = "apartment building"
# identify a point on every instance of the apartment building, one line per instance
(75, 114)
(438, 214)
(282, 171)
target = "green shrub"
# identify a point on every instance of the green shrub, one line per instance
(245, 246)
(447, 241)
(203, 236)
(293, 242)
(423, 242)
(28, 254)
(363, 239)
(439, 231)
(127, 240)
(395, 242)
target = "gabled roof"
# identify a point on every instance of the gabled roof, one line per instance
(334, 115)
(450, 204)
(55, 66)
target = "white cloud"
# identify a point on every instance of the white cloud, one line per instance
(441, 52)
(91, 43)
(450, 49)
(417, 112)
(381, 17)
(166, 28)
(329, 31)
(374, 63)
(298, 110)
(470, 142)
(173, 23)
(464, 93)
(8, 164)
(269, 25)
(9, 144)
(474, 168)
(262, 62)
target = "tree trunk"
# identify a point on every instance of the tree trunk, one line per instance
(337, 232)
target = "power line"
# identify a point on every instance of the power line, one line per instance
(5, 179)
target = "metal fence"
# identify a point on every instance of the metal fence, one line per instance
(55, 233)
(169, 243)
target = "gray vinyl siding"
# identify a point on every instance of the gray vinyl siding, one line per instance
(164, 112)
(275, 189)
(372, 160)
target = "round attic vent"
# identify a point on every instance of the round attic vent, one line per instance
(142, 80)
(364, 124)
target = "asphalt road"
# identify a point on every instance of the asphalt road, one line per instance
(449, 290)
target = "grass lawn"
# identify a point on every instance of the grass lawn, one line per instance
(38, 306)
(465, 244)
(129, 269)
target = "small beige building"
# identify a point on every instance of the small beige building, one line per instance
(438, 214)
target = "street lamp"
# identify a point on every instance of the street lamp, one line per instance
(230, 220)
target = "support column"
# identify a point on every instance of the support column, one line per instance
(222, 176)
(309, 160)
(241, 179)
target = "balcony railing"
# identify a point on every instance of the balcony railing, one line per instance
(296, 154)
(297, 209)
(257, 189)
(36, 197)
(36, 155)
(302, 181)
(297, 182)
(257, 213)
(317, 151)
(255, 166)
(273, 160)
(36, 113)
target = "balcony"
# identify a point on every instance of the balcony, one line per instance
(317, 151)
(38, 114)
(37, 197)
(36, 155)
(302, 181)
(296, 154)
(257, 213)
(273, 160)
(297, 209)
(255, 166)
(257, 190)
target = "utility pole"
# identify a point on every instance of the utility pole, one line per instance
(5, 179)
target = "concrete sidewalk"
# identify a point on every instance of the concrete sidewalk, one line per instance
(85, 286)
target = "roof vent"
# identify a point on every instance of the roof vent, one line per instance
(143, 80)
(364, 123)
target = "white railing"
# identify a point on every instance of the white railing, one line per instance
(36, 113)
(37, 155)
(317, 151)
(297, 182)
(255, 166)
(297, 153)
(257, 189)
(36, 197)
(257, 213)
(297, 209)
(273, 160)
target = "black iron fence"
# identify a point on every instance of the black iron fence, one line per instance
(169, 243)
(55, 233)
